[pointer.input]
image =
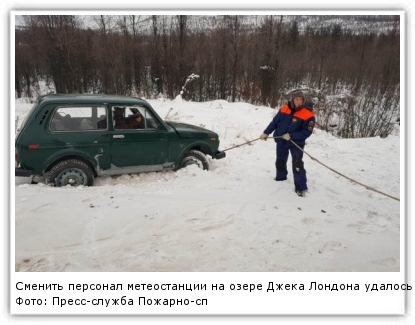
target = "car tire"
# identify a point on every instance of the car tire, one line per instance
(71, 172)
(195, 157)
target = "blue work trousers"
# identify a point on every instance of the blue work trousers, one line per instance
(300, 178)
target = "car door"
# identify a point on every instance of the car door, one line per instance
(138, 149)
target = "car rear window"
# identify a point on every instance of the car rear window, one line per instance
(79, 118)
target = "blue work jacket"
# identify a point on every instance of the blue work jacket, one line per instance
(299, 123)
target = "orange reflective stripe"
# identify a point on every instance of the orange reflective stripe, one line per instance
(285, 109)
(304, 114)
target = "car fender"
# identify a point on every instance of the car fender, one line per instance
(200, 145)
(68, 153)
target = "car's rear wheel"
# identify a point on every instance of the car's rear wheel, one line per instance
(195, 157)
(72, 172)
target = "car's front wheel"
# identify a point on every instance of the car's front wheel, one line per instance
(72, 172)
(195, 157)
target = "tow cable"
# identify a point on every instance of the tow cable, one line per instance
(242, 144)
(312, 158)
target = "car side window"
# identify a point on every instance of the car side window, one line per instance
(75, 119)
(132, 118)
(102, 118)
(149, 119)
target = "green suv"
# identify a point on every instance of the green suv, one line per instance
(71, 139)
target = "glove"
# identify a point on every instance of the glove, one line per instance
(286, 136)
(264, 136)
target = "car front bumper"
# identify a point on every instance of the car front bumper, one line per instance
(219, 155)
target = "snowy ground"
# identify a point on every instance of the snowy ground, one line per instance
(234, 217)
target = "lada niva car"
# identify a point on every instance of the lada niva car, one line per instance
(71, 139)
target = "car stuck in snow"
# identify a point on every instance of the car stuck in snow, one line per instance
(71, 139)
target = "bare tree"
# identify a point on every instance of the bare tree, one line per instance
(249, 58)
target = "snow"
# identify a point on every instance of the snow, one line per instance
(337, 196)
(233, 220)
(234, 217)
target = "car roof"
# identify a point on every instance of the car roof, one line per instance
(90, 99)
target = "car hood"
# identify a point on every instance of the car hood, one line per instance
(190, 131)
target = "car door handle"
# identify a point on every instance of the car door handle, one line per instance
(118, 136)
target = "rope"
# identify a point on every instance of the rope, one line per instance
(350, 179)
(242, 144)
(312, 158)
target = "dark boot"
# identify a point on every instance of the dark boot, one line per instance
(280, 179)
(300, 192)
